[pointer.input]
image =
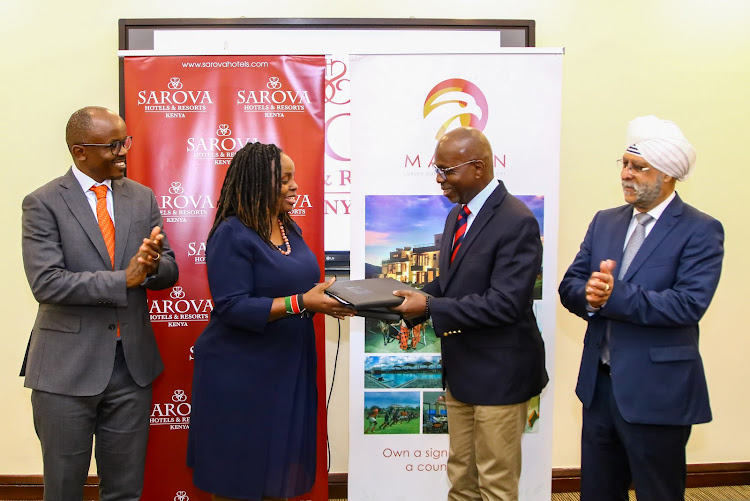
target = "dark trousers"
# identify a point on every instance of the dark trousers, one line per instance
(119, 417)
(615, 452)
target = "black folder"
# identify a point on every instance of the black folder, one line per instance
(371, 297)
(384, 314)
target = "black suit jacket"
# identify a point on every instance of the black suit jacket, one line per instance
(493, 352)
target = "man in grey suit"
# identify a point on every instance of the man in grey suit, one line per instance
(92, 245)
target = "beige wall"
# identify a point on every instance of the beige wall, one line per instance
(687, 60)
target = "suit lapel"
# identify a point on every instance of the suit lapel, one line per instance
(123, 218)
(78, 204)
(616, 245)
(661, 229)
(446, 246)
(480, 221)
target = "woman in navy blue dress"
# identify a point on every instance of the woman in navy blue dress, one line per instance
(254, 400)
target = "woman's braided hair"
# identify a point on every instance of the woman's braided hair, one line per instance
(251, 190)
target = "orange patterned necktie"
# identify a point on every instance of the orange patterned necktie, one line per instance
(106, 226)
(105, 222)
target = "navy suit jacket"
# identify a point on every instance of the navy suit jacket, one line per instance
(493, 353)
(652, 313)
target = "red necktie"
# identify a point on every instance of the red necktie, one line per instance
(463, 216)
(105, 225)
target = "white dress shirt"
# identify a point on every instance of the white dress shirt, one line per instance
(86, 183)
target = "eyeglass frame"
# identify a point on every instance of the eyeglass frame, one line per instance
(442, 172)
(632, 168)
(115, 146)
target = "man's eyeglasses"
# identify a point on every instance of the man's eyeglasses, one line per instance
(443, 171)
(115, 146)
(632, 168)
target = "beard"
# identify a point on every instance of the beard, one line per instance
(645, 195)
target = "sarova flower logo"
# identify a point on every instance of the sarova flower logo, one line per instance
(179, 396)
(223, 130)
(181, 496)
(177, 293)
(176, 188)
(174, 83)
(273, 83)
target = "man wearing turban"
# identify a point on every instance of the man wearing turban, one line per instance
(643, 278)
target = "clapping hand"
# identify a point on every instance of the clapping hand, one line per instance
(146, 261)
(599, 286)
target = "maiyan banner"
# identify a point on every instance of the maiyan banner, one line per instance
(188, 116)
(398, 435)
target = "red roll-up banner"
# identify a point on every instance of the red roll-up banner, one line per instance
(188, 116)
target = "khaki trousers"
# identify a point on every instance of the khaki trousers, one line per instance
(484, 462)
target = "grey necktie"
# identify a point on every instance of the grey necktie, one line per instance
(635, 242)
(631, 249)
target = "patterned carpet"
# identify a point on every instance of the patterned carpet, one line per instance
(728, 493)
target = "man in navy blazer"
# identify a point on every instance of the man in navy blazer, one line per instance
(641, 379)
(481, 307)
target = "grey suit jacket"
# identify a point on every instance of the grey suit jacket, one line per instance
(81, 299)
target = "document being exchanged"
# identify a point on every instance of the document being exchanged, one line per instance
(371, 297)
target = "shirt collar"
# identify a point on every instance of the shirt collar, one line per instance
(476, 203)
(657, 211)
(86, 182)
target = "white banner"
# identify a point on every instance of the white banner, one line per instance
(337, 44)
(400, 105)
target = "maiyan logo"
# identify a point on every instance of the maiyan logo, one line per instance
(461, 100)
